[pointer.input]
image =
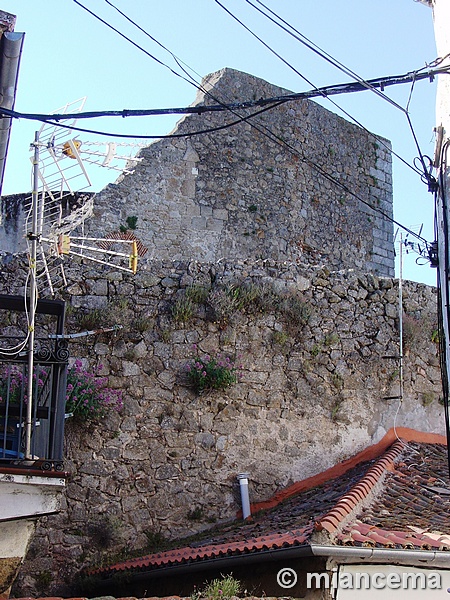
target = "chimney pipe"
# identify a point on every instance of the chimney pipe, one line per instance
(243, 484)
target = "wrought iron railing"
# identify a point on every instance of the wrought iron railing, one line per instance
(43, 423)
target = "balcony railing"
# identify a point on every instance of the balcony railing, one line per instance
(49, 377)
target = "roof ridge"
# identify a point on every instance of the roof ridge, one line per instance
(362, 493)
(370, 453)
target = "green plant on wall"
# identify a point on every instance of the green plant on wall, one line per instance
(205, 373)
(131, 223)
(197, 293)
(196, 514)
(43, 580)
(182, 310)
(411, 329)
(331, 339)
(295, 311)
(219, 589)
(427, 398)
(335, 409)
(280, 338)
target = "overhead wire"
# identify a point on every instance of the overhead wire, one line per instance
(128, 39)
(334, 89)
(315, 48)
(48, 119)
(296, 34)
(178, 60)
(198, 85)
(424, 172)
(265, 131)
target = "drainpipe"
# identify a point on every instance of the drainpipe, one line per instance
(10, 54)
(243, 484)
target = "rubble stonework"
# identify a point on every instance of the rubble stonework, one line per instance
(250, 206)
(295, 182)
(258, 189)
(310, 394)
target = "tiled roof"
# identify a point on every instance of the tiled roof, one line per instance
(392, 495)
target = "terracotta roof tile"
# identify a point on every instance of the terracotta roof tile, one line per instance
(380, 498)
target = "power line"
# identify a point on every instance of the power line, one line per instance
(135, 44)
(325, 91)
(334, 103)
(425, 173)
(267, 132)
(48, 119)
(317, 50)
(198, 85)
(176, 59)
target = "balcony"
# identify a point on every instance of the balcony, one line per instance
(39, 419)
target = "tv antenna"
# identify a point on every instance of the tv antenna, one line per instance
(59, 175)
(63, 202)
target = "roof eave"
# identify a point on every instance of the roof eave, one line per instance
(341, 554)
(355, 555)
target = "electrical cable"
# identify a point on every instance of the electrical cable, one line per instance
(131, 41)
(319, 51)
(197, 84)
(444, 331)
(334, 89)
(312, 46)
(329, 99)
(47, 119)
(274, 137)
(179, 62)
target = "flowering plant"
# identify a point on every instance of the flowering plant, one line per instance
(87, 396)
(13, 381)
(211, 373)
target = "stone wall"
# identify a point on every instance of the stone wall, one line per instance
(296, 183)
(252, 252)
(261, 188)
(317, 350)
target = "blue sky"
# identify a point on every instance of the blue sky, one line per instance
(69, 54)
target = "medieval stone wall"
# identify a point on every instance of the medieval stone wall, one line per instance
(264, 188)
(295, 182)
(255, 253)
(317, 351)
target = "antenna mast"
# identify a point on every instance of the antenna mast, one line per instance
(32, 236)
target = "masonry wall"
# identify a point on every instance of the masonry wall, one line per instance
(315, 387)
(264, 188)
(244, 211)
(292, 182)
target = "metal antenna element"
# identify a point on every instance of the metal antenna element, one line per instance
(61, 203)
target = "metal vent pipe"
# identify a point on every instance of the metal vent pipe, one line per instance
(245, 500)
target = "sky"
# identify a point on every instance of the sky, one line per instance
(68, 54)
